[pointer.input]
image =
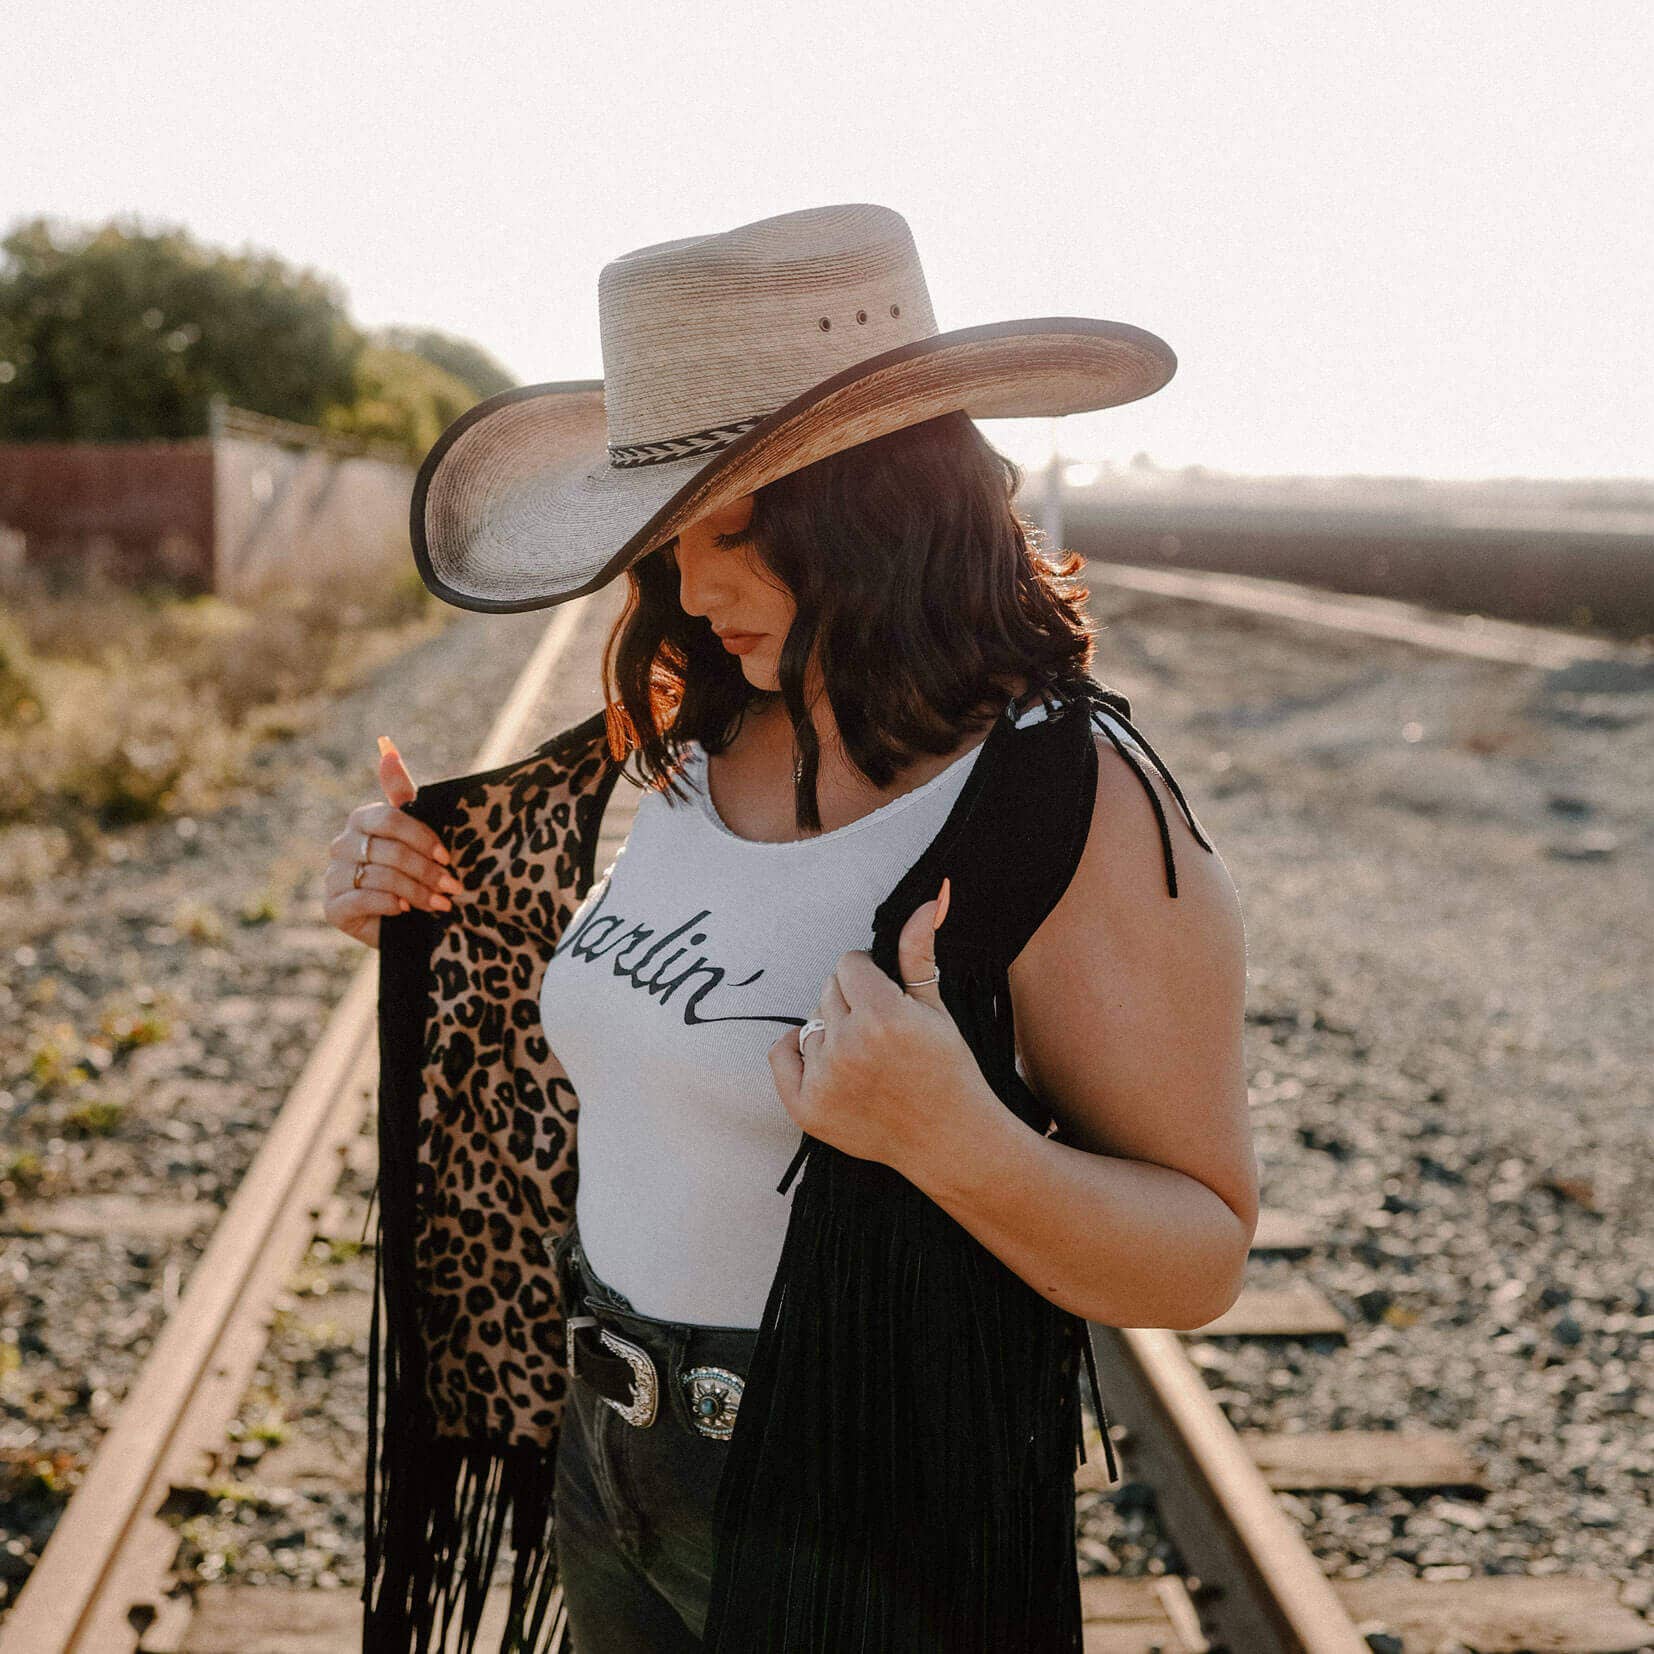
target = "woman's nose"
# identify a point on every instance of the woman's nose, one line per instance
(695, 582)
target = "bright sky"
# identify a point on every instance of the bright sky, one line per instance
(1401, 238)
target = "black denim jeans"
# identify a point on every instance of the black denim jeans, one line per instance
(633, 1519)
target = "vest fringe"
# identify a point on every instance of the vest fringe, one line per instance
(901, 1475)
(436, 1513)
(1097, 1408)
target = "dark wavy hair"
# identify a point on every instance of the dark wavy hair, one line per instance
(913, 575)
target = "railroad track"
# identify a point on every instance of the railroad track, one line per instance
(1251, 1581)
(1477, 637)
(106, 1581)
(102, 1581)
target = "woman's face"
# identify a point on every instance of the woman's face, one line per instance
(725, 580)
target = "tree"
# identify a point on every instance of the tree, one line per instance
(402, 398)
(120, 333)
(467, 362)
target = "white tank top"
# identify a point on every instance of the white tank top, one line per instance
(690, 955)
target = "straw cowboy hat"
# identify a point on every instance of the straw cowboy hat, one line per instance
(730, 360)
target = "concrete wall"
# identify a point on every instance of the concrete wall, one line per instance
(288, 515)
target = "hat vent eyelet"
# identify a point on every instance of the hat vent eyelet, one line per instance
(825, 324)
(895, 310)
(861, 315)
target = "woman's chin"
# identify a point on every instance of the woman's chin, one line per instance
(759, 673)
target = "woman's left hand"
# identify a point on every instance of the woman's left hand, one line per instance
(890, 1072)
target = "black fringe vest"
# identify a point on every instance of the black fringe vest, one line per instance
(901, 1476)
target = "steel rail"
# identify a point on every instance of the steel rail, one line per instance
(1475, 636)
(1255, 1583)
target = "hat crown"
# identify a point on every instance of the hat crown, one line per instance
(704, 336)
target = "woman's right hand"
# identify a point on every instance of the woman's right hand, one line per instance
(408, 864)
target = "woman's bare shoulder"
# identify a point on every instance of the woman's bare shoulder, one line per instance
(1117, 905)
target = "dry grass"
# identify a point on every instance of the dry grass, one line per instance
(118, 707)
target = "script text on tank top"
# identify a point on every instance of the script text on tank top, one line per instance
(601, 935)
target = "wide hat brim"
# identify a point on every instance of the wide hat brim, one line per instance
(517, 506)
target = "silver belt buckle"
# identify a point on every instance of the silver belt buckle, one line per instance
(645, 1389)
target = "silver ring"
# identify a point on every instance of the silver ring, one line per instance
(356, 878)
(366, 854)
(935, 976)
(814, 1026)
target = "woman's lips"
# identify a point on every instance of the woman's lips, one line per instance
(739, 642)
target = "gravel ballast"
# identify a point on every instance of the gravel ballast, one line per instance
(1444, 866)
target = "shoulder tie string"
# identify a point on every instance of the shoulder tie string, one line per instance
(1105, 718)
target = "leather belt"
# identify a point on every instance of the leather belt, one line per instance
(625, 1376)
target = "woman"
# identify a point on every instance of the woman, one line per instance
(814, 673)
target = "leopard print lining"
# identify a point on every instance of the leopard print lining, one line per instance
(495, 1172)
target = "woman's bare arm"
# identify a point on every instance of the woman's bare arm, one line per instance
(1130, 1012)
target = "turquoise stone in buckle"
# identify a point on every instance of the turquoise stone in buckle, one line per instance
(714, 1394)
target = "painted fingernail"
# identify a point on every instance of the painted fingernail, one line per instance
(385, 746)
(441, 903)
(441, 854)
(941, 906)
(451, 885)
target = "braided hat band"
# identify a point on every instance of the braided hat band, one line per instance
(731, 360)
(697, 442)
